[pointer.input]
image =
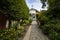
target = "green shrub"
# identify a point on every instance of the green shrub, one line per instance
(8, 34)
(11, 34)
(30, 20)
(50, 26)
(26, 22)
(53, 34)
(43, 19)
(52, 29)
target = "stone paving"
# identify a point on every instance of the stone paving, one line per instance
(34, 33)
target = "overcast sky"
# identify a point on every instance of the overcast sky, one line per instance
(36, 4)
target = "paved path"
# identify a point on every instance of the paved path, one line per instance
(34, 33)
(27, 36)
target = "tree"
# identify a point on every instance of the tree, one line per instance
(14, 9)
(54, 7)
(51, 26)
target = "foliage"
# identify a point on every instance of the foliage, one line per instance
(50, 28)
(30, 20)
(50, 20)
(10, 34)
(43, 3)
(14, 9)
(26, 22)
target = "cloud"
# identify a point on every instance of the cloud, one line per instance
(32, 1)
(36, 4)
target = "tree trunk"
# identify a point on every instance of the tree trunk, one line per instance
(2, 22)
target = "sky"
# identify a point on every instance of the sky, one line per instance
(36, 4)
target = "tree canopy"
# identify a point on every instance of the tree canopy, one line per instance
(53, 8)
(14, 9)
(50, 19)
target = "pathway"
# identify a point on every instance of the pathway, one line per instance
(34, 33)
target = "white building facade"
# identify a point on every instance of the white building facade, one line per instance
(33, 14)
